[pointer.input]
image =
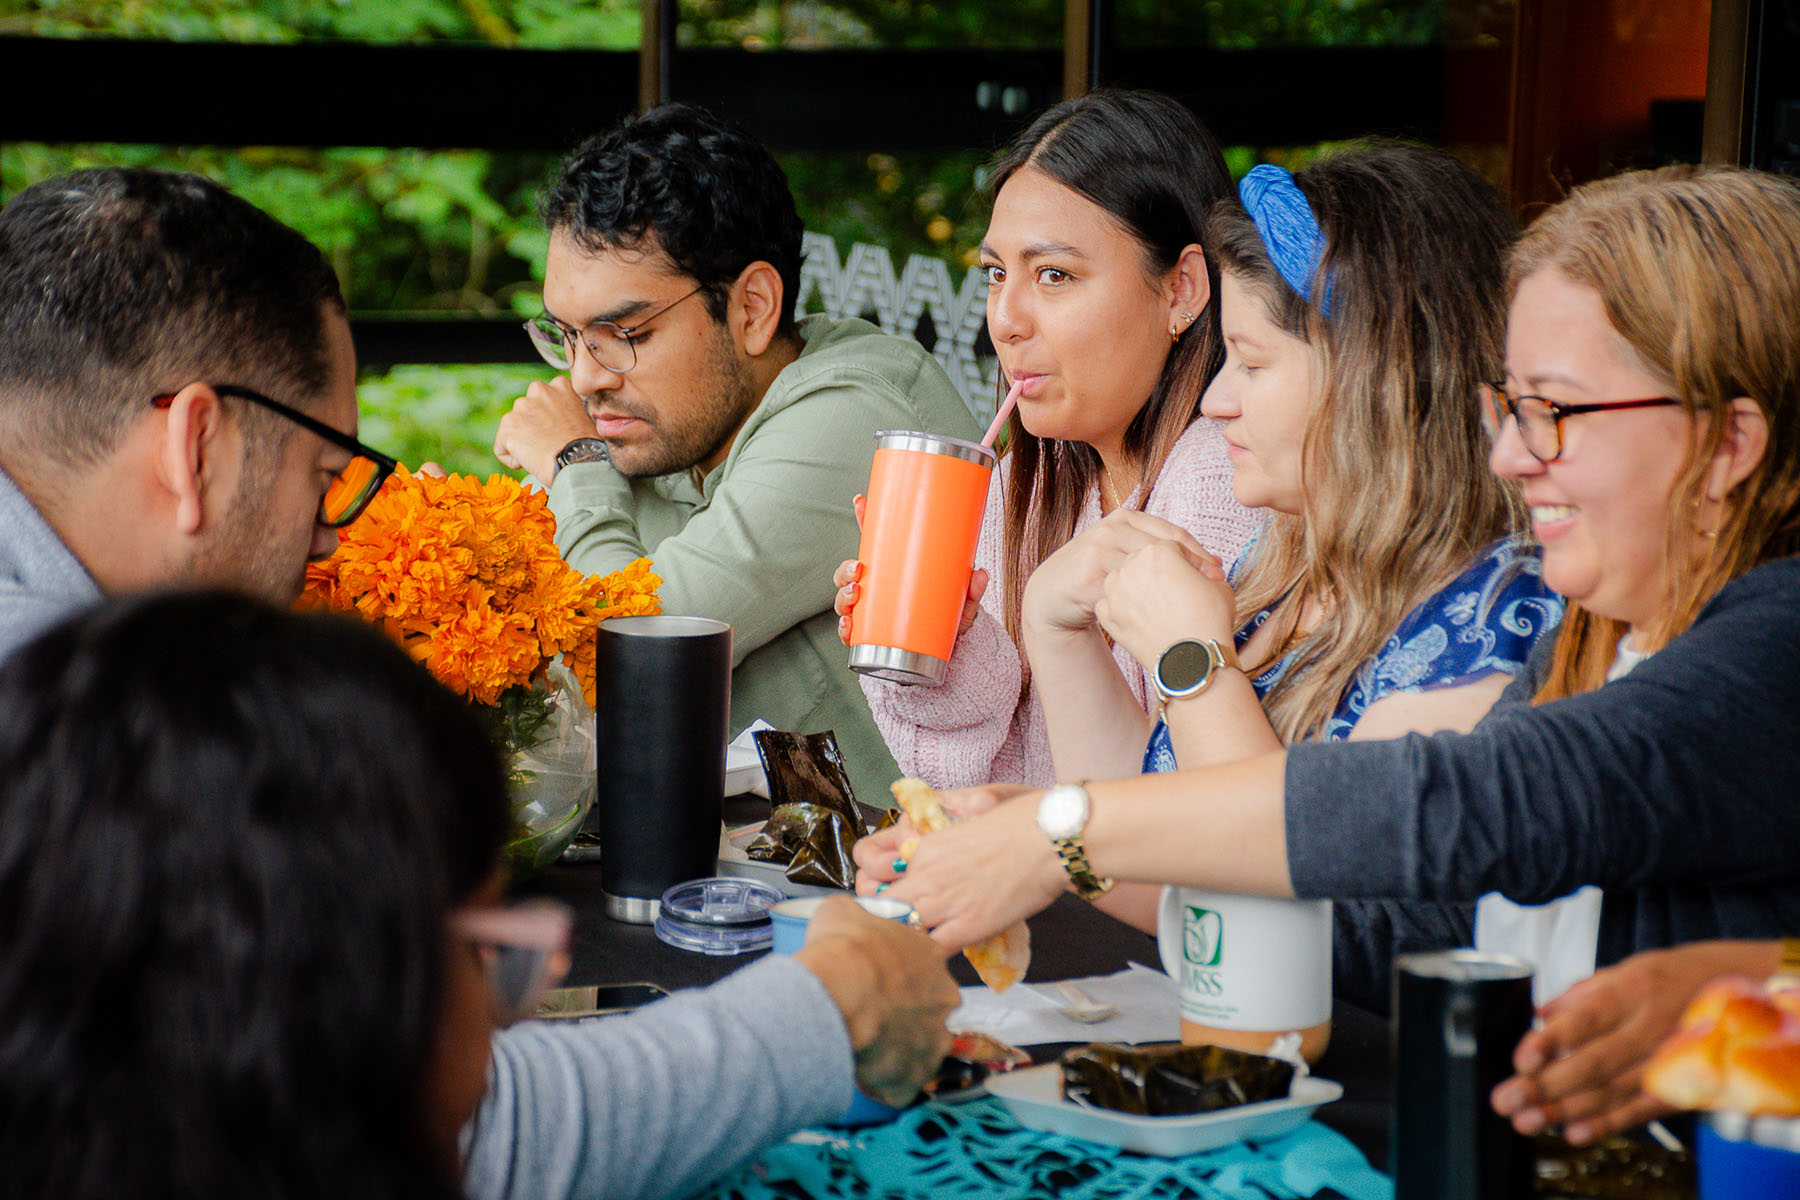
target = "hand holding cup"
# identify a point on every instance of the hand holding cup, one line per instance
(894, 991)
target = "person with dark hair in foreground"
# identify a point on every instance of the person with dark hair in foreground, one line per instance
(700, 423)
(250, 890)
(177, 396)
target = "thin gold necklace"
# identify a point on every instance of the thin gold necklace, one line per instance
(1106, 487)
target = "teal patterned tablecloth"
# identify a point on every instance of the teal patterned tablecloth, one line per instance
(977, 1149)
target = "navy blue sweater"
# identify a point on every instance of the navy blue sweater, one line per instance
(1676, 789)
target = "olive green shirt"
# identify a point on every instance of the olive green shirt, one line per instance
(755, 542)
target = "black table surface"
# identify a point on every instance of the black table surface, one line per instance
(1069, 939)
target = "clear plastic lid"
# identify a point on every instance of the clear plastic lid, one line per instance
(721, 915)
(721, 900)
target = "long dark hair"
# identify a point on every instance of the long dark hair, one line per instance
(229, 840)
(1151, 166)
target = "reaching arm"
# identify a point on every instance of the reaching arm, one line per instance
(1220, 828)
(657, 1103)
(705, 1077)
(1583, 1066)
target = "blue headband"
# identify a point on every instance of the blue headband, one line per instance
(1288, 227)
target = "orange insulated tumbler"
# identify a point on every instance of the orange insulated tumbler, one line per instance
(920, 525)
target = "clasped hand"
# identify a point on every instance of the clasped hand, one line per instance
(1162, 593)
(1062, 595)
(546, 418)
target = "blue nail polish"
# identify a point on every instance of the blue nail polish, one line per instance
(880, 888)
(900, 864)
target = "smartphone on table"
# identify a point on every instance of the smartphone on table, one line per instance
(596, 1000)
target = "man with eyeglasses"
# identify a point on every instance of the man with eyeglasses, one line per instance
(700, 423)
(177, 397)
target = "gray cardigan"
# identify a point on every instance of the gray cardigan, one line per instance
(662, 1101)
(1676, 789)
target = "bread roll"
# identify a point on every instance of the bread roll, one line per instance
(1737, 1049)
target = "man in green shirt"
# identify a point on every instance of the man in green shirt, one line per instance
(699, 423)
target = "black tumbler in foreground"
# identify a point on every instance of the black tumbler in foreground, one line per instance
(1459, 1014)
(663, 706)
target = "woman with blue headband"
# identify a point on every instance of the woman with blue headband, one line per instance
(1360, 306)
(1388, 593)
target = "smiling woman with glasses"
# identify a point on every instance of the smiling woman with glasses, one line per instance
(355, 483)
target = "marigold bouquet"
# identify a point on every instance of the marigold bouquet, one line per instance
(466, 576)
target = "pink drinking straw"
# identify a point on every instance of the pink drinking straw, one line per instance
(1006, 407)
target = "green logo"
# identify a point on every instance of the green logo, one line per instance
(1203, 937)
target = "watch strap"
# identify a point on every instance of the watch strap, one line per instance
(1069, 845)
(1073, 853)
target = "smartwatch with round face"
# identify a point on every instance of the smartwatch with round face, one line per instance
(1189, 666)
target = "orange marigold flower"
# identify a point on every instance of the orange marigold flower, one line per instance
(465, 575)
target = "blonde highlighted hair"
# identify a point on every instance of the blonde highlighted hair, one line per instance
(1397, 498)
(1699, 272)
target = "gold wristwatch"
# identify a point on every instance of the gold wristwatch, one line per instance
(1062, 814)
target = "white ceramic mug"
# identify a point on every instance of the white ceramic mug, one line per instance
(1248, 968)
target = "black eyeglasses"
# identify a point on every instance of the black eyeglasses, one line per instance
(352, 487)
(612, 345)
(1540, 420)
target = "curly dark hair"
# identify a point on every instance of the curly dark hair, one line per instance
(120, 283)
(230, 837)
(697, 187)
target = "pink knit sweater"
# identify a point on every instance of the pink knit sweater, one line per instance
(973, 729)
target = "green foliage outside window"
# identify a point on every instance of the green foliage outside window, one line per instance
(412, 230)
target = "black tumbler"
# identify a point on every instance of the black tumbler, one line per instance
(1459, 1016)
(664, 705)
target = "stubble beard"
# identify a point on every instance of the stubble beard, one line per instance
(245, 553)
(682, 444)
